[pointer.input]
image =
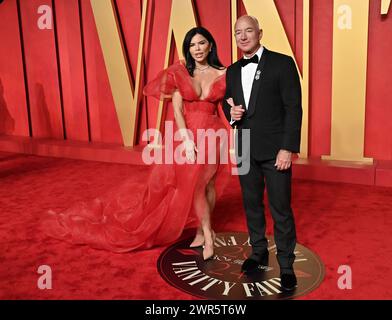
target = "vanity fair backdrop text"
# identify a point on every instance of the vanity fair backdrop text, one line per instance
(75, 69)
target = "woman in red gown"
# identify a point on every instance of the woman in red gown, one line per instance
(179, 195)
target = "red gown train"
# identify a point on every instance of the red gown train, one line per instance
(121, 221)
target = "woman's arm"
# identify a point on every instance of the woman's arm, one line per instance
(189, 145)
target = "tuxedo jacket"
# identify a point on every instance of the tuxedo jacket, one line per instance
(274, 112)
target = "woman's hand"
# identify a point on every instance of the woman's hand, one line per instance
(190, 150)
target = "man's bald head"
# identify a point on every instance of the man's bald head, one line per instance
(248, 34)
(250, 19)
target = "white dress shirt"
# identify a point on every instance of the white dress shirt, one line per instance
(247, 77)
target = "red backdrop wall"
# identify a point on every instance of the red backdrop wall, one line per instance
(53, 82)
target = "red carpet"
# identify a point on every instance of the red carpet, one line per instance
(344, 224)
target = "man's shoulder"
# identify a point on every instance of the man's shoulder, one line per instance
(279, 57)
(233, 66)
(272, 55)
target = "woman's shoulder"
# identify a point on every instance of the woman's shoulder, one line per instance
(167, 81)
(221, 71)
(178, 65)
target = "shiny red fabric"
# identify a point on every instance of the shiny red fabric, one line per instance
(173, 198)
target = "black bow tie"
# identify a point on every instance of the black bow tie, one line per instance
(254, 59)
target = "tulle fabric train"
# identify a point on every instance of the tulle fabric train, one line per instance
(121, 221)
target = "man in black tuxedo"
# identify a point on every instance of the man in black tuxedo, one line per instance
(263, 94)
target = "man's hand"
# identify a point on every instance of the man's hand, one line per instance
(236, 112)
(283, 160)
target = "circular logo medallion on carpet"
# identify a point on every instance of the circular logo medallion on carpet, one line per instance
(221, 277)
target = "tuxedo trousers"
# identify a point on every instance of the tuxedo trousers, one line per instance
(264, 175)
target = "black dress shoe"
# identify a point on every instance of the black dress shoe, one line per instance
(254, 261)
(249, 266)
(288, 281)
(261, 257)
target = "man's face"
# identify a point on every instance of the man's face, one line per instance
(247, 35)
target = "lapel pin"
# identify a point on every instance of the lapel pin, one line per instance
(258, 73)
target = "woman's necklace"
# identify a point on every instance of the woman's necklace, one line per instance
(202, 69)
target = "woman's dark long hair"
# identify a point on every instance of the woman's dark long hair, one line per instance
(212, 58)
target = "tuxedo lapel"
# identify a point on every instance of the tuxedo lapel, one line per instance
(239, 92)
(257, 83)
